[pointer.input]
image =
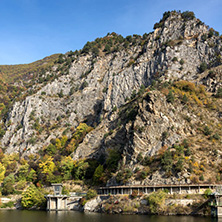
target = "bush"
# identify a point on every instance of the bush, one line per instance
(216, 136)
(188, 15)
(174, 59)
(170, 97)
(181, 62)
(219, 93)
(201, 178)
(207, 192)
(33, 197)
(84, 85)
(9, 204)
(134, 194)
(207, 131)
(82, 201)
(203, 67)
(91, 194)
(156, 201)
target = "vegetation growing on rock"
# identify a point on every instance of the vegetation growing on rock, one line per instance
(139, 109)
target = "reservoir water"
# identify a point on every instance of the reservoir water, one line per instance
(72, 216)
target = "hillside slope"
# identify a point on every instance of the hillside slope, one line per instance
(150, 104)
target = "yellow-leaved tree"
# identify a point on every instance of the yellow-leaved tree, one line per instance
(2, 172)
(47, 167)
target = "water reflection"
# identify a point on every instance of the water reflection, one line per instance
(70, 216)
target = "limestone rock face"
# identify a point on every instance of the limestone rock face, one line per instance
(95, 86)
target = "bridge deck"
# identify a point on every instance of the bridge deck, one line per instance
(180, 188)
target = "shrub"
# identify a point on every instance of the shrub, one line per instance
(203, 67)
(139, 157)
(188, 15)
(114, 109)
(170, 97)
(174, 59)
(134, 194)
(60, 94)
(207, 131)
(164, 135)
(179, 165)
(9, 204)
(84, 85)
(33, 197)
(201, 178)
(181, 62)
(207, 192)
(185, 99)
(156, 201)
(107, 48)
(204, 37)
(216, 136)
(82, 201)
(143, 175)
(65, 191)
(91, 194)
(185, 85)
(219, 93)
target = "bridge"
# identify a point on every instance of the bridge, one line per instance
(57, 201)
(146, 189)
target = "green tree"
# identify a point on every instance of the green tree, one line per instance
(66, 167)
(113, 159)
(80, 170)
(167, 161)
(23, 172)
(8, 185)
(97, 176)
(33, 197)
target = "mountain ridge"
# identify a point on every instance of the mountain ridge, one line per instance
(128, 102)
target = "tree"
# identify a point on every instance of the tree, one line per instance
(113, 159)
(8, 185)
(66, 167)
(47, 167)
(80, 170)
(23, 172)
(2, 172)
(33, 197)
(98, 175)
(167, 161)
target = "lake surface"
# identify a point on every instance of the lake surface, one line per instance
(72, 216)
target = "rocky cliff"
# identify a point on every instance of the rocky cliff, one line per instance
(105, 86)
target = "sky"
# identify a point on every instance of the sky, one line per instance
(33, 29)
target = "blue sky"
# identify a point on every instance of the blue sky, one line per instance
(33, 29)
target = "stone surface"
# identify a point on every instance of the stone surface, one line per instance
(108, 84)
